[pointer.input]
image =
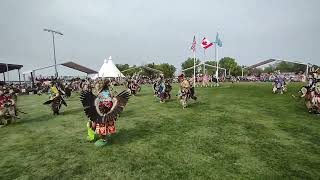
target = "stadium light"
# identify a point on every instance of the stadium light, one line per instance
(54, 48)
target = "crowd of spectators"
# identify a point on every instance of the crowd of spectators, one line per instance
(42, 84)
(269, 77)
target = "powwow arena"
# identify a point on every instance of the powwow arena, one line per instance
(180, 98)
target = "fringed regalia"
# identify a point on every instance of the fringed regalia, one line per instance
(167, 92)
(55, 99)
(161, 90)
(68, 90)
(186, 91)
(279, 84)
(311, 93)
(8, 111)
(102, 111)
(134, 87)
(155, 88)
(85, 85)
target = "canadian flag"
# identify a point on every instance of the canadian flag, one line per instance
(206, 43)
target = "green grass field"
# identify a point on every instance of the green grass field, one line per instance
(236, 131)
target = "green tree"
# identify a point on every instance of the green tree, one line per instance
(131, 70)
(255, 71)
(122, 67)
(237, 71)
(211, 70)
(149, 72)
(290, 67)
(167, 69)
(187, 64)
(269, 69)
(284, 66)
(245, 70)
(299, 68)
(231, 65)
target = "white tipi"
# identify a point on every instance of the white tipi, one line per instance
(109, 70)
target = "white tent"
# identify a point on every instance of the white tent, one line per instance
(109, 70)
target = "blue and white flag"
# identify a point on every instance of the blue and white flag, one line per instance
(218, 41)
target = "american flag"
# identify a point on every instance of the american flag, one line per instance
(193, 46)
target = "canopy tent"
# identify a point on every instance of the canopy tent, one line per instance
(78, 67)
(261, 63)
(9, 67)
(280, 60)
(109, 70)
(68, 64)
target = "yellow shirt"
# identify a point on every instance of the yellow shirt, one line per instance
(54, 90)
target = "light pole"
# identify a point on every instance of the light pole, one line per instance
(242, 68)
(54, 48)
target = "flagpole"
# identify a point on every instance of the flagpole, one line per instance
(217, 71)
(193, 47)
(194, 67)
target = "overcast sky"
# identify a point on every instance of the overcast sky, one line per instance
(142, 31)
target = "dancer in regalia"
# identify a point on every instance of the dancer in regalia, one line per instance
(185, 92)
(133, 87)
(205, 80)
(68, 90)
(192, 90)
(102, 111)
(168, 88)
(161, 88)
(279, 85)
(311, 92)
(8, 111)
(155, 88)
(55, 98)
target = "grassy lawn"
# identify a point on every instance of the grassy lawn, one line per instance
(236, 131)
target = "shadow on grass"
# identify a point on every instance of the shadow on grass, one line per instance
(127, 136)
(46, 117)
(50, 116)
(197, 104)
(139, 94)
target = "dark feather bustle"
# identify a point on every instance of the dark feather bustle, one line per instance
(56, 104)
(48, 102)
(88, 101)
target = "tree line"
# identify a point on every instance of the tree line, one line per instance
(227, 63)
(167, 70)
(234, 69)
(230, 64)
